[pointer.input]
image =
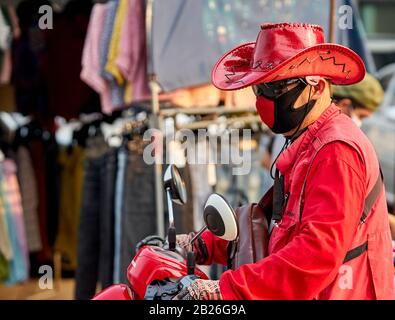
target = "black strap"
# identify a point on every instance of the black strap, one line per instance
(372, 196)
(278, 196)
(356, 252)
(369, 202)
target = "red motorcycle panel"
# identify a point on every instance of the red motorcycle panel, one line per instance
(115, 292)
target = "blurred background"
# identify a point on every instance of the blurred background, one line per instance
(80, 83)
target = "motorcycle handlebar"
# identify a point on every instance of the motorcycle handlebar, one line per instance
(150, 240)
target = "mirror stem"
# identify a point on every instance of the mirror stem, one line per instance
(191, 262)
(170, 207)
(171, 234)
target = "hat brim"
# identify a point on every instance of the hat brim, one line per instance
(234, 70)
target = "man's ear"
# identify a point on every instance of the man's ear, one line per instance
(318, 89)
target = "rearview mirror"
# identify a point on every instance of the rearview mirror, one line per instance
(220, 218)
(173, 182)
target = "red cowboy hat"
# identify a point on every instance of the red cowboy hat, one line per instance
(283, 51)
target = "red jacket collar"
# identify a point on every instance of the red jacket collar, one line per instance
(289, 155)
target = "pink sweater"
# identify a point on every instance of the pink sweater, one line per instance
(90, 73)
(132, 60)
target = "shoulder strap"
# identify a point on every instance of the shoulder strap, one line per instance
(370, 200)
(278, 196)
(372, 196)
(356, 252)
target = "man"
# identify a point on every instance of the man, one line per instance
(330, 238)
(360, 100)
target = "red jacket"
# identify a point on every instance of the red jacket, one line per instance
(339, 167)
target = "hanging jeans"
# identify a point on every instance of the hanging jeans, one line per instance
(119, 201)
(96, 230)
(138, 217)
(28, 185)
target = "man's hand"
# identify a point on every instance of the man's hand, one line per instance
(182, 241)
(198, 247)
(200, 290)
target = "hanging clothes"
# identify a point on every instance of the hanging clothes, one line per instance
(119, 207)
(13, 199)
(114, 56)
(10, 198)
(16, 30)
(68, 96)
(117, 92)
(5, 45)
(37, 153)
(111, 68)
(109, 170)
(99, 53)
(95, 253)
(138, 216)
(91, 57)
(72, 171)
(112, 7)
(113, 49)
(52, 185)
(4, 270)
(131, 60)
(29, 63)
(5, 243)
(29, 194)
(5, 30)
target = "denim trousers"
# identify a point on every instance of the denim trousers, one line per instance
(139, 210)
(96, 230)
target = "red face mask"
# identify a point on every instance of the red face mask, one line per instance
(265, 109)
(279, 114)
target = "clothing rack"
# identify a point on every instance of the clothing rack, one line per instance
(231, 121)
(205, 111)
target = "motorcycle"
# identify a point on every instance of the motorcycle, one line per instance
(159, 271)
